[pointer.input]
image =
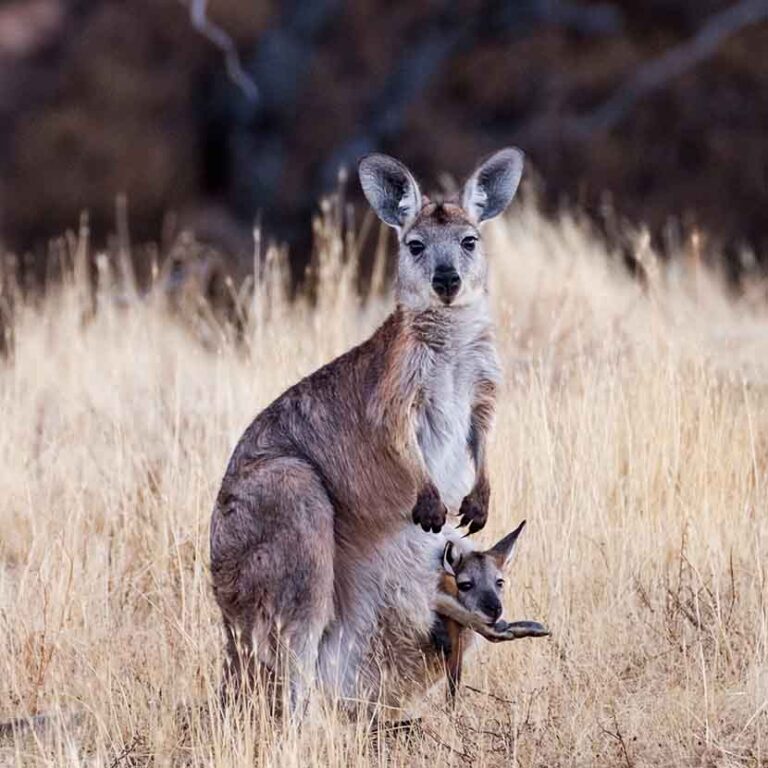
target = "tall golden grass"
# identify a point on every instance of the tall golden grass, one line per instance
(632, 434)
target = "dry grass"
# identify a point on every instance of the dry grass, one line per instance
(632, 434)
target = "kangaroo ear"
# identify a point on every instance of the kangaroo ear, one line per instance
(451, 558)
(390, 189)
(503, 550)
(492, 186)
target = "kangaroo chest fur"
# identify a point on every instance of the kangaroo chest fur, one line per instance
(464, 357)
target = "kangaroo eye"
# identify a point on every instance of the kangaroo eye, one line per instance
(468, 243)
(500, 583)
(465, 586)
(416, 247)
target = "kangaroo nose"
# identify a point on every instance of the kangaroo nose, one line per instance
(446, 282)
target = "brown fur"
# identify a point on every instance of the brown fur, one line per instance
(455, 658)
(325, 477)
(322, 475)
(442, 214)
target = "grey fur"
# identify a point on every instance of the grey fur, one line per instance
(493, 185)
(312, 551)
(390, 189)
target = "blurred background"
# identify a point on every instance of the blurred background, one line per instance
(209, 116)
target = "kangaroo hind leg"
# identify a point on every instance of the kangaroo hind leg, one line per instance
(272, 567)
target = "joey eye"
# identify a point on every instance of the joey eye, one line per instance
(468, 243)
(416, 247)
(500, 583)
(465, 586)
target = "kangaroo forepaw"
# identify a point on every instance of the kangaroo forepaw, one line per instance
(474, 510)
(429, 511)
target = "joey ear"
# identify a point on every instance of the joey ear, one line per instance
(490, 189)
(390, 189)
(451, 558)
(503, 550)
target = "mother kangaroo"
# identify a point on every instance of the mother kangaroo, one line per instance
(393, 430)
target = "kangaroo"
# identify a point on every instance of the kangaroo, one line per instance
(475, 580)
(330, 472)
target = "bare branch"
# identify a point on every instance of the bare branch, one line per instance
(676, 61)
(652, 75)
(219, 38)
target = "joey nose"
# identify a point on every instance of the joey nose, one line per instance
(446, 282)
(491, 605)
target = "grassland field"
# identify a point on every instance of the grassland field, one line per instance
(632, 434)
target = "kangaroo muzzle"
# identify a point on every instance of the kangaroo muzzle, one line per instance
(446, 283)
